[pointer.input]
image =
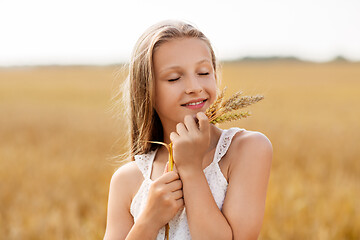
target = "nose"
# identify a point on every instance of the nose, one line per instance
(193, 85)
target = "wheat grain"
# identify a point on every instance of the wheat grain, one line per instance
(227, 117)
(212, 109)
(242, 102)
(235, 102)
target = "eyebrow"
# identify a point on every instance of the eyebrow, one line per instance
(197, 63)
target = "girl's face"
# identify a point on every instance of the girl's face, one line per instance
(184, 79)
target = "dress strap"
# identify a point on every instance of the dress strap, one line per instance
(224, 142)
(145, 162)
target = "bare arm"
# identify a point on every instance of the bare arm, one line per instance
(164, 201)
(249, 172)
(244, 205)
(190, 145)
(250, 157)
(120, 223)
(204, 217)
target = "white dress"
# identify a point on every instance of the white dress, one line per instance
(179, 229)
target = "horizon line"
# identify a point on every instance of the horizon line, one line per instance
(253, 59)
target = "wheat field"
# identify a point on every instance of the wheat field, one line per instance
(57, 137)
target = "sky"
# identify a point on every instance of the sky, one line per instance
(65, 32)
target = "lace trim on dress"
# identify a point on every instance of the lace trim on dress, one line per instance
(145, 162)
(224, 143)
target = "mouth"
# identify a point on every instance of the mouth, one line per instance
(199, 103)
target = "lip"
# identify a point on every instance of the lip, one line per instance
(203, 100)
(194, 101)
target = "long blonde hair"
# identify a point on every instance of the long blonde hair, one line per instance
(139, 86)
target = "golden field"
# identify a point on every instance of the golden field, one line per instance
(57, 138)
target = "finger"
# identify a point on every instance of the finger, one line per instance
(169, 177)
(166, 169)
(196, 120)
(173, 136)
(177, 194)
(180, 202)
(203, 121)
(174, 168)
(181, 129)
(174, 185)
(190, 123)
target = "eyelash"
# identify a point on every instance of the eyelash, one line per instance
(173, 80)
(201, 74)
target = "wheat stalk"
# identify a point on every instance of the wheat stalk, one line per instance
(170, 168)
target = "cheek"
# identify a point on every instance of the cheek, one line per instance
(161, 98)
(212, 87)
(158, 100)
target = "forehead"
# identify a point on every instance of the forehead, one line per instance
(180, 52)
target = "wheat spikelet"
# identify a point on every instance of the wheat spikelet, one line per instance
(233, 98)
(212, 109)
(235, 102)
(227, 117)
(242, 102)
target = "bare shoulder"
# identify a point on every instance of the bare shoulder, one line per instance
(126, 178)
(250, 146)
(251, 138)
(123, 185)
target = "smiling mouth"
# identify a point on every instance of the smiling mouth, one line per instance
(194, 103)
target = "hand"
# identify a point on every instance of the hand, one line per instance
(191, 142)
(164, 200)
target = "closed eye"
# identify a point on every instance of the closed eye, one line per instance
(173, 80)
(204, 73)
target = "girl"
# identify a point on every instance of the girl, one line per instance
(218, 188)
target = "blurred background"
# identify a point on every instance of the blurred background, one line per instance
(59, 68)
